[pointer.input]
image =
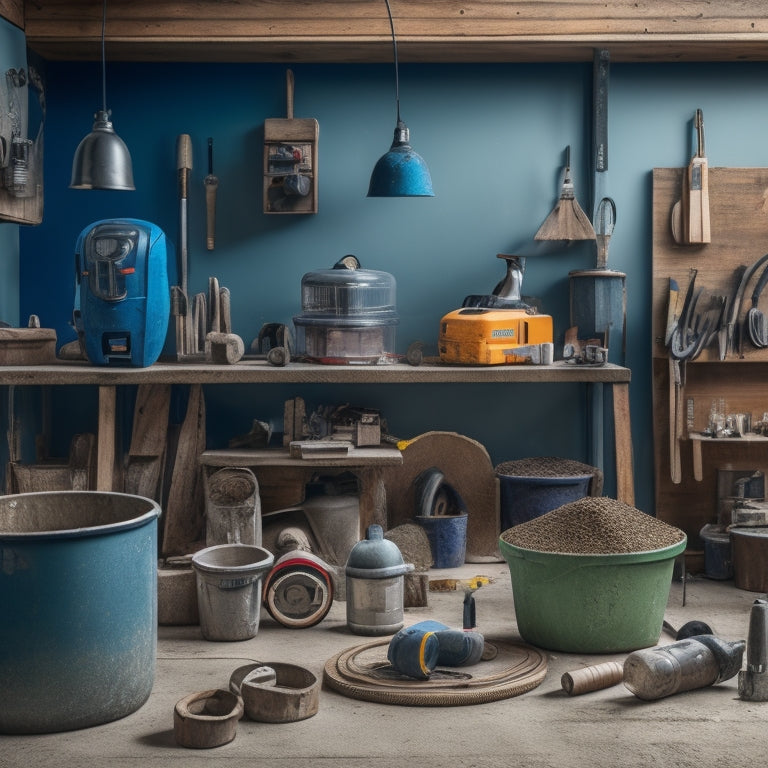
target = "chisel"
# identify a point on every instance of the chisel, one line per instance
(180, 309)
(211, 183)
(698, 223)
(180, 295)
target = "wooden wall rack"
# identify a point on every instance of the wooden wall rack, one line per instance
(739, 223)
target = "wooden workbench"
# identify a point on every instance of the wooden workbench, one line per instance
(259, 372)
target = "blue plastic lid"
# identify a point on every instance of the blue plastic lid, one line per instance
(375, 557)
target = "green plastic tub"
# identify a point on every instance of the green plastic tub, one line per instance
(590, 603)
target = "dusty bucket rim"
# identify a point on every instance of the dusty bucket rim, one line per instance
(146, 517)
(582, 559)
(265, 562)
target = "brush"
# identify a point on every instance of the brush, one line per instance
(567, 221)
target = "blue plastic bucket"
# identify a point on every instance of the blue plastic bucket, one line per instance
(78, 587)
(525, 498)
(447, 536)
(718, 562)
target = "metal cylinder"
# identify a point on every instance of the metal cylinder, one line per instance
(753, 681)
(375, 585)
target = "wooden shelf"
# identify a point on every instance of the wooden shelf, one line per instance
(261, 372)
(427, 30)
(107, 379)
(697, 440)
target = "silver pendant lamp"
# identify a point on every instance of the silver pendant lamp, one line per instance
(401, 172)
(102, 161)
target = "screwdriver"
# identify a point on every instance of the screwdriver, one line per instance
(211, 183)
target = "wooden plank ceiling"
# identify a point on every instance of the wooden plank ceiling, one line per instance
(427, 30)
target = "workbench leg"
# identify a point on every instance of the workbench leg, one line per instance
(625, 478)
(373, 499)
(105, 462)
(596, 437)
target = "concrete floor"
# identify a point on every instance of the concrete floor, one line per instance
(544, 727)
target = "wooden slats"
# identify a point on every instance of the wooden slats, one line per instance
(13, 10)
(427, 30)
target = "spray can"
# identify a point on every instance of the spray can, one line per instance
(694, 662)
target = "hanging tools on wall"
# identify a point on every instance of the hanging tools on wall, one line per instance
(690, 215)
(180, 309)
(599, 296)
(567, 220)
(211, 185)
(290, 161)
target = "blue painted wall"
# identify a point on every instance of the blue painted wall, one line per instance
(13, 54)
(494, 138)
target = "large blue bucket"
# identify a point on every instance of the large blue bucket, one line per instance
(78, 586)
(524, 496)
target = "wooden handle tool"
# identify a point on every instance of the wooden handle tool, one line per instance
(211, 183)
(697, 187)
(593, 678)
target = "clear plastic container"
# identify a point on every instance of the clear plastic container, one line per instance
(347, 313)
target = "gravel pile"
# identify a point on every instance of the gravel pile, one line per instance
(594, 526)
(544, 466)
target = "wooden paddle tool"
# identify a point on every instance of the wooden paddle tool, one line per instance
(690, 214)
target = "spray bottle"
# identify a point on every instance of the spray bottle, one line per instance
(694, 662)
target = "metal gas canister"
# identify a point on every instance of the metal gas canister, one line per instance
(375, 585)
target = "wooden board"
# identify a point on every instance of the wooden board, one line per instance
(146, 455)
(467, 467)
(427, 30)
(184, 524)
(739, 216)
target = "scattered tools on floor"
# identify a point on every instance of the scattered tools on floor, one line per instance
(276, 692)
(753, 681)
(211, 185)
(689, 629)
(695, 662)
(690, 215)
(567, 220)
(592, 678)
(207, 719)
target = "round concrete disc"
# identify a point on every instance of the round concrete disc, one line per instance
(363, 672)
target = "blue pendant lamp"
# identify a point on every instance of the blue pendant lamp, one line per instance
(102, 161)
(401, 172)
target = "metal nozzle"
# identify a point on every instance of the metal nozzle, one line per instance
(753, 681)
